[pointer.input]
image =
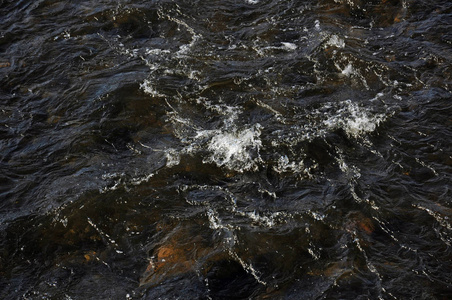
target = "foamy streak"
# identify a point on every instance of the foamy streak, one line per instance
(230, 112)
(355, 120)
(248, 268)
(286, 46)
(148, 88)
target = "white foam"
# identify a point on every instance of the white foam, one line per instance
(229, 146)
(149, 89)
(230, 112)
(172, 158)
(236, 150)
(265, 219)
(214, 220)
(156, 52)
(354, 120)
(336, 41)
(285, 165)
(348, 70)
(289, 46)
(317, 24)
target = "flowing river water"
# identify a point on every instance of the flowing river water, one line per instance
(226, 149)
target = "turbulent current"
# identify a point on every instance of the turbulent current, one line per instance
(226, 149)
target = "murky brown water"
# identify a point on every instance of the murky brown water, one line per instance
(243, 149)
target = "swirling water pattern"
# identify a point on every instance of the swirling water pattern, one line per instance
(225, 149)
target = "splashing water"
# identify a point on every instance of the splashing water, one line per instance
(247, 149)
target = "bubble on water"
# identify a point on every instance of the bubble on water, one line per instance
(252, 1)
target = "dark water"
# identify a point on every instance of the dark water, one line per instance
(226, 149)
